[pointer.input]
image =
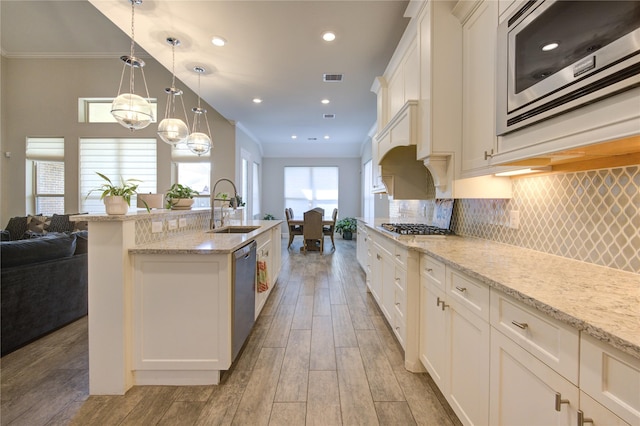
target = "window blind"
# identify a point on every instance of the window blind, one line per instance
(117, 159)
(180, 153)
(45, 149)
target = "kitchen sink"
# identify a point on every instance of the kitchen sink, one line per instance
(234, 230)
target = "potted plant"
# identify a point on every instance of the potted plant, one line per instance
(180, 197)
(346, 227)
(117, 198)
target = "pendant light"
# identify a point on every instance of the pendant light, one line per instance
(199, 142)
(171, 129)
(130, 110)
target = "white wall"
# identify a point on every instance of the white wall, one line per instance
(349, 185)
(40, 98)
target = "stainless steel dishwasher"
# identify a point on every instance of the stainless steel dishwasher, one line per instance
(244, 295)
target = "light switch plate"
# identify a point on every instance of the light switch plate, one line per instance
(173, 224)
(156, 227)
(182, 222)
(514, 219)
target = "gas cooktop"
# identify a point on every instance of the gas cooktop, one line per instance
(415, 229)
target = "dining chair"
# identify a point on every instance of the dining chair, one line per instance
(312, 230)
(331, 229)
(293, 229)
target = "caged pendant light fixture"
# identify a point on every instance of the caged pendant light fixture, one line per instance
(171, 129)
(199, 142)
(130, 110)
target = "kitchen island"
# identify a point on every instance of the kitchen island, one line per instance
(160, 296)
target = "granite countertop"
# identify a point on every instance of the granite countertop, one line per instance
(203, 242)
(138, 214)
(600, 301)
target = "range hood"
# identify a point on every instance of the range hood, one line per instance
(404, 177)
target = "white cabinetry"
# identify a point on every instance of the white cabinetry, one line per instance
(362, 247)
(524, 390)
(454, 338)
(534, 366)
(612, 380)
(264, 253)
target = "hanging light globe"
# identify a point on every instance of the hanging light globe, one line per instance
(132, 111)
(172, 129)
(199, 143)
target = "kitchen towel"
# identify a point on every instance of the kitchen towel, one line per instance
(263, 276)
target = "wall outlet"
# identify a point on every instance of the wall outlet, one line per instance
(182, 222)
(514, 219)
(173, 224)
(156, 227)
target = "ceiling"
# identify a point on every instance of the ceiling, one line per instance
(274, 52)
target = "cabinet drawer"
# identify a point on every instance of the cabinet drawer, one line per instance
(469, 293)
(611, 377)
(387, 245)
(399, 329)
(433, 270)
(400, 302)
(401, 255)
(553, 342)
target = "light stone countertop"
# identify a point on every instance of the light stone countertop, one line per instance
(600, 301)
(203, 242)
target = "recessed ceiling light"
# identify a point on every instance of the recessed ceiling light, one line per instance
(257, 100)
(218, 41)
(328, 36)
(294, 137)
(549, 46)
(325, 101)
(326, 136)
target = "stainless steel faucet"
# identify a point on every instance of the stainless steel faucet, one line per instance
(234, 200)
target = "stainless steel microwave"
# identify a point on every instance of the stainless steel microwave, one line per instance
(555, 56)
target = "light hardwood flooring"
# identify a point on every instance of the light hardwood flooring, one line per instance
(320, 354)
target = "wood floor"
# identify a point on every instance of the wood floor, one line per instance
(320, 354)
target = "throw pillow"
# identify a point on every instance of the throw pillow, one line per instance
(60, 223)
(35, 224)
(17, 226)
(6, 236)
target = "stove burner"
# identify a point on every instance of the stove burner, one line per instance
(415, 229)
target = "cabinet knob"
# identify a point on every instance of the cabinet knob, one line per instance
(461, 289)
(522, 325)
(582, 419)
(559, 401)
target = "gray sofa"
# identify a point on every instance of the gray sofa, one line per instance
(43, 286)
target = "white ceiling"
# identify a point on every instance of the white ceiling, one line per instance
(274, 52)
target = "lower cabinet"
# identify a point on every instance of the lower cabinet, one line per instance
(268, 250)
(362, 240)
(454, 341)
(525, 391)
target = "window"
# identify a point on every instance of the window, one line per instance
(255, 200)
(115, 158)
(194, 171)
(98, 110)
(308, 187)
(45, 176)
(368, 201)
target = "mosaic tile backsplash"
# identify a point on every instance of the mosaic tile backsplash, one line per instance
(592, 216)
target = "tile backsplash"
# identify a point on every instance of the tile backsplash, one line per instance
(592, 216)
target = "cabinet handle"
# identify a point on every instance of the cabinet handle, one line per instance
(461, 289)
(560, 401)
(444, 305)
(582, 419)
(522, 325)
(428, 269)
(438, 302)
(397, 303)
(488, 155)
(378, 256)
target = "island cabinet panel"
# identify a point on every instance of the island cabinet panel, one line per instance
(181, 318)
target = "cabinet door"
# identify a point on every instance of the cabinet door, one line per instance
(375, 279)
(433, 352)
(468, 387)
(478, 86)
(523, 389)
(600, 416)
(388, 287)
(361, 244)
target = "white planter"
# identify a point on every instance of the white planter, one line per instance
(115, 205)
(181, 203)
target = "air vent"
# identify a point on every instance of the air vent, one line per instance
(330, 116)
(312, 139)
(332, 78)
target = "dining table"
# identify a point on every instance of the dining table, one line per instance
(299, 221)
